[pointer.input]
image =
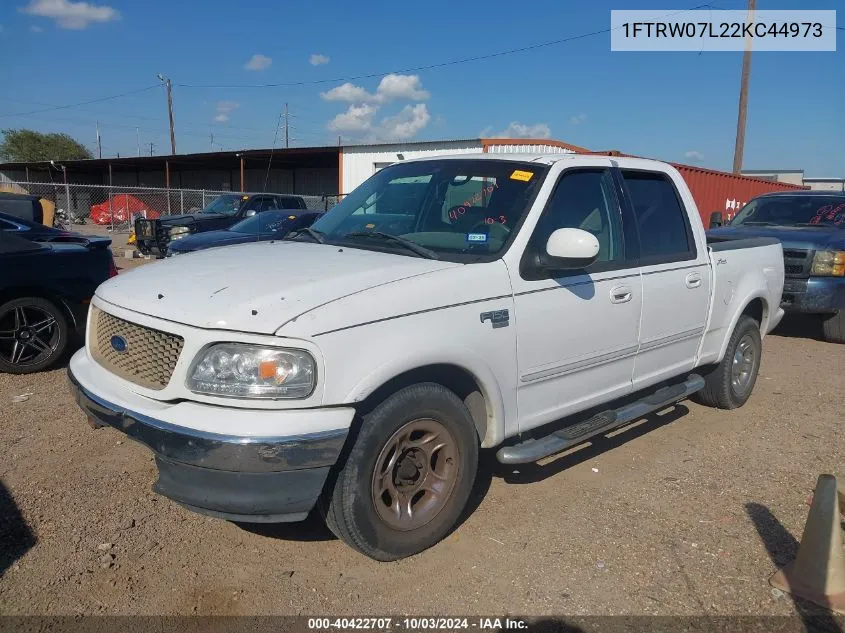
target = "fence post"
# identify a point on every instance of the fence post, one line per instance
(181, 201)
(203, 198)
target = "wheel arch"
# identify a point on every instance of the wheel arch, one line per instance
(16, 292)
(757, 307)
(476, 386)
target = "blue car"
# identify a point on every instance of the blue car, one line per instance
(811, 227)
(261, 227)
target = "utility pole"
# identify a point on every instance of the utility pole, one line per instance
(287, 127)
(739, 148)
(167, 87)
(138, 139)
(151, 148)
(99, 142)
(212, 141)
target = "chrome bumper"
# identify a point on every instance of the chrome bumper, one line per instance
(211, 450)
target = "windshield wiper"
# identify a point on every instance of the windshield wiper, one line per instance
(817, 224)
(753, 223)
(422, 251)
(312, 233)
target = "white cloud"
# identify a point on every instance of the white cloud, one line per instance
(358, 121)
(577, 119)
(36, 29)
(694, 155)
(347, 92)
(258, 62)
(391, 87)
(71, 15)
(394, 86)
(357, 118)
(224, 109)
(403, 126)
(318, 60)
(520, 130)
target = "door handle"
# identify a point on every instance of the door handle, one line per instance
(620, 294)
(693, 280)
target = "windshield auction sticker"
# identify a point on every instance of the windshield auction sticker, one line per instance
(706, 30)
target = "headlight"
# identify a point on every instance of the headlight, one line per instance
(178, 232)
(829, 263)
(252, 371)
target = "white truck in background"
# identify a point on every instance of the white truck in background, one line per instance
(524, 303)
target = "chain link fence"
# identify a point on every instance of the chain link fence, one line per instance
(116, 207)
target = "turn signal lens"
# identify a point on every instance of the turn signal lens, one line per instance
(829, 264)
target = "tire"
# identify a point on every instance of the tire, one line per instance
(398, 439)
(834, 327)
(33, 335)
(723, 387)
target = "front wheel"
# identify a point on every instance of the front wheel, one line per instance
(33, 335)
(408, 476)
(834, 327)
(729, 384)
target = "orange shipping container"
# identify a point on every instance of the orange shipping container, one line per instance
(719, 190)
(727, 193)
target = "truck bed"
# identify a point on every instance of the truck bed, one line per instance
(726, 243)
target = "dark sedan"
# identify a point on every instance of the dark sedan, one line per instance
(154, 236)
(33, 231)
(268, 225)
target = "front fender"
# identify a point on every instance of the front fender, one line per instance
(462, 358)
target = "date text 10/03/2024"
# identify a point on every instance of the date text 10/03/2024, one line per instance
(417, 624)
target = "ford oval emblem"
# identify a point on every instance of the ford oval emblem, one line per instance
(118, 344)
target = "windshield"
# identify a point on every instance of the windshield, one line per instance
(265, 222)
(225, 204)
(793, 211)
(461, 209)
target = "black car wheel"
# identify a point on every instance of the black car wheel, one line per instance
(33, 335)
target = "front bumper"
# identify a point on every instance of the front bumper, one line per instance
(240, 478)
(818, 295)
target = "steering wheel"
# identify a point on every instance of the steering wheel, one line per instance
(497, 229)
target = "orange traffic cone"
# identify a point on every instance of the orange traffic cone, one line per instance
(818, 572)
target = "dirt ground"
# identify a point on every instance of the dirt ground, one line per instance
(685, 513)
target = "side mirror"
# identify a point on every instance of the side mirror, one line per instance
(250, 213)
(570, 248)
(716, 219)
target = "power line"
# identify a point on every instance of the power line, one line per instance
(82, 103)
(453, 62)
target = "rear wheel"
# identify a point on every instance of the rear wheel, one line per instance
(408, 476)
(729, 384)
(33, 335)
(834, 327)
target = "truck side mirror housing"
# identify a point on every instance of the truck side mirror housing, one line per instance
(570, 249)
(249, 213)
(716, 219)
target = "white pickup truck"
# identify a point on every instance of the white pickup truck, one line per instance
(448, 305)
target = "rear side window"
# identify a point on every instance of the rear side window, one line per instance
(291, 203)
(665, 233)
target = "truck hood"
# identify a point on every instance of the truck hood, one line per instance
(208, 239)
(188, 219)
(256, 287)
(803, 237)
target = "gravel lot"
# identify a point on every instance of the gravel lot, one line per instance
(685, 513)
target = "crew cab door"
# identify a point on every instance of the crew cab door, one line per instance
(675, 274)
(577, 330)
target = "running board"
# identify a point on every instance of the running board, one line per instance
(532, 450)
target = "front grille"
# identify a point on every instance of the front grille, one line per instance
(149, 357)
(796, 263)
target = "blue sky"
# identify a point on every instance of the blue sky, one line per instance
(673, 106)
